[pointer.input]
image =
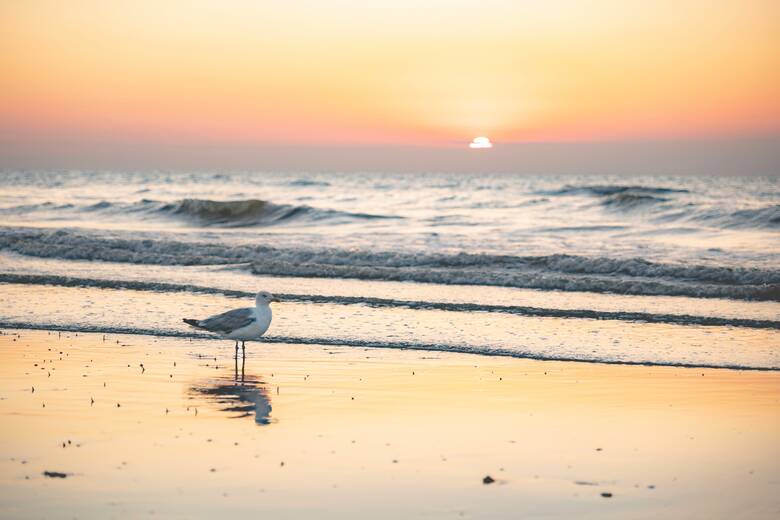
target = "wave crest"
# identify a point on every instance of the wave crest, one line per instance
(629, 197)
(238, 213)
(611, 190)
(256, 212)
(205, 212)
(628, 200)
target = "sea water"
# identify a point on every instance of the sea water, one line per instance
(668, 270)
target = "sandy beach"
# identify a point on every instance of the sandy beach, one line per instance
(138, 426)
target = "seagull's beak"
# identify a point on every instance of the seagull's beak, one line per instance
(274, 299)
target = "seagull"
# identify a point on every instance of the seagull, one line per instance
(240, 324)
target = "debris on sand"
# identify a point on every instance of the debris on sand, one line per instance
(488, 480)
(54, 474)
(606, 494)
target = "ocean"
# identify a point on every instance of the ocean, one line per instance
(681, 271)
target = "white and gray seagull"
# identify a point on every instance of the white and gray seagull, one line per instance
(240, 324)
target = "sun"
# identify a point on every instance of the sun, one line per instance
(481, 142)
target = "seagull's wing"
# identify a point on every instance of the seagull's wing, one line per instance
(228, 321)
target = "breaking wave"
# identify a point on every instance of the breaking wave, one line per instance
(631, 200)
(206, 213)
(253, 212)
(763, 217)
(551, 272)
(659, 205)
(621, 197)
(668, 209)
(612, 190)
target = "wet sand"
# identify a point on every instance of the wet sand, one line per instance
(165, 427)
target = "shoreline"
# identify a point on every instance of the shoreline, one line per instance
(324, 342)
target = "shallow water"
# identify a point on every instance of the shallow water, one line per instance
(497, 333)
(666, 270)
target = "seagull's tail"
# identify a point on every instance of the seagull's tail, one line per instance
(194, 323)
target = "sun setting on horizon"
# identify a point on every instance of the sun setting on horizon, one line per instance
(237, 72)
(480, 142)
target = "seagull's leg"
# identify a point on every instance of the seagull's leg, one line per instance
(236, 349)
(243, 358)
(235, 369)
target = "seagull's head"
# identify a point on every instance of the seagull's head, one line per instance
(265, 298)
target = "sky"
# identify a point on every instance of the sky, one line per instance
(251, 84)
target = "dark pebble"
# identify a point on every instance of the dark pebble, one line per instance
(488, 480)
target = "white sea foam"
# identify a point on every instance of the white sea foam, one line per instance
(552, 272)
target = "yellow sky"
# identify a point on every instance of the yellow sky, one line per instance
(431, 73)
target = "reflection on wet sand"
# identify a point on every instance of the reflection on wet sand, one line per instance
(353, 432)
(239, 394)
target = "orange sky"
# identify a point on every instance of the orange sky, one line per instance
(291, 72)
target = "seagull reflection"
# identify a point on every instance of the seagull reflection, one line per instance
(245, 396)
